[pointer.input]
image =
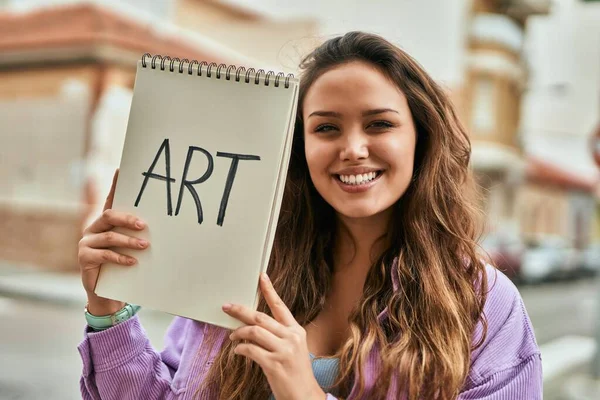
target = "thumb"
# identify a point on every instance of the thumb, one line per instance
(111, 194)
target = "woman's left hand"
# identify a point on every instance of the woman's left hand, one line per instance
(278, 345)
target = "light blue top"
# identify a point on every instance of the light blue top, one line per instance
(325, 371)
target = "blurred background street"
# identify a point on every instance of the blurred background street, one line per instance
(524, 76)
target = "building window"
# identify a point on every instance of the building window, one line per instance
(484, 112)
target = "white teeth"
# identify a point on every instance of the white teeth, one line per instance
(358, 179)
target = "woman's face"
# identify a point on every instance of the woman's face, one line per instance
(359, 139)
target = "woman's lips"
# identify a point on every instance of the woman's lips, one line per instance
(360, 187)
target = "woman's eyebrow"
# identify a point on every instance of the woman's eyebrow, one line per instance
(378, 111)
(364, 114)
(325, 114)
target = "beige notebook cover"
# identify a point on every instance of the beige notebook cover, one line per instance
(224, 145)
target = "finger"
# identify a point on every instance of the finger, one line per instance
(253, 352)
(251, 317)
(111, 218)
(114, 239)
(276, 305)
(111, 193)
(92, 258)
(257, 335)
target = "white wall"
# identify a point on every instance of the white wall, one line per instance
(41, 148)
(562, 105)
(432, 31)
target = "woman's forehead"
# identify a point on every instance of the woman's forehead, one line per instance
(354, 86)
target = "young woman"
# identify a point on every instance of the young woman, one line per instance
(376, 288)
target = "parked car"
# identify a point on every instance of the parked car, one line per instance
(506, 253)
(549, 257)
(538, 263)
(590, 259)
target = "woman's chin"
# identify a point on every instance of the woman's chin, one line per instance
(357, 212)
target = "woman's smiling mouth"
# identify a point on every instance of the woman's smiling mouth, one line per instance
(359, 182)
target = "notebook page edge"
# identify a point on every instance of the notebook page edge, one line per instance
(282, 177)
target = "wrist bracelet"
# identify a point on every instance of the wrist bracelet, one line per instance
(99, 323)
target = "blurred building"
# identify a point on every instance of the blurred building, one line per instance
(533, 95)
(66, 75)
(561, 106)
(496, 78)
(554, 202)
(67, 72)
(560, 110)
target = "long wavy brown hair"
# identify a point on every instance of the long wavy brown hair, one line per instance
(426, 340)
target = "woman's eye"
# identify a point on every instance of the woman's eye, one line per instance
(381, 125)
(325, 128)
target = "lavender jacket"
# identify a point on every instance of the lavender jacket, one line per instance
(120, 363)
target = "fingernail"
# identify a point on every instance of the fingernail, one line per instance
(226, 307)
(143, 243)
(140, 224)
(265, 277)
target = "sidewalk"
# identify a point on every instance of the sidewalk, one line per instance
(581, 387)
(566, 365)
(576, 384)
(571, 382)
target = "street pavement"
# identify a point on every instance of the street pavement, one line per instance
(562, 308)
(40, 330)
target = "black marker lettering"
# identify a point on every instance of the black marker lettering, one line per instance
(149, 174)
(188, 184)
(235, 158)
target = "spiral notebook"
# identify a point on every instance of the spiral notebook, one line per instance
(204, 163)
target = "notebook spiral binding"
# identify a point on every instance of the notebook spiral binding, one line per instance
(229, 69)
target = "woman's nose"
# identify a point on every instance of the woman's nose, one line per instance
(354, 147)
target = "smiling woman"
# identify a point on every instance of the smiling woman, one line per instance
(374, 268)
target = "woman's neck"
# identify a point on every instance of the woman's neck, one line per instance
(359, 242)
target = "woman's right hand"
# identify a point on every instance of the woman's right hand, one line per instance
(94, 250)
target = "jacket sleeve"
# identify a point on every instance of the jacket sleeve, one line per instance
(120, 363)
(519, 382)
(508, 363)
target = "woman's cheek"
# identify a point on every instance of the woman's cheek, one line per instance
(309, 150)
(316, 157)
(397, 153)
(311, 161)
